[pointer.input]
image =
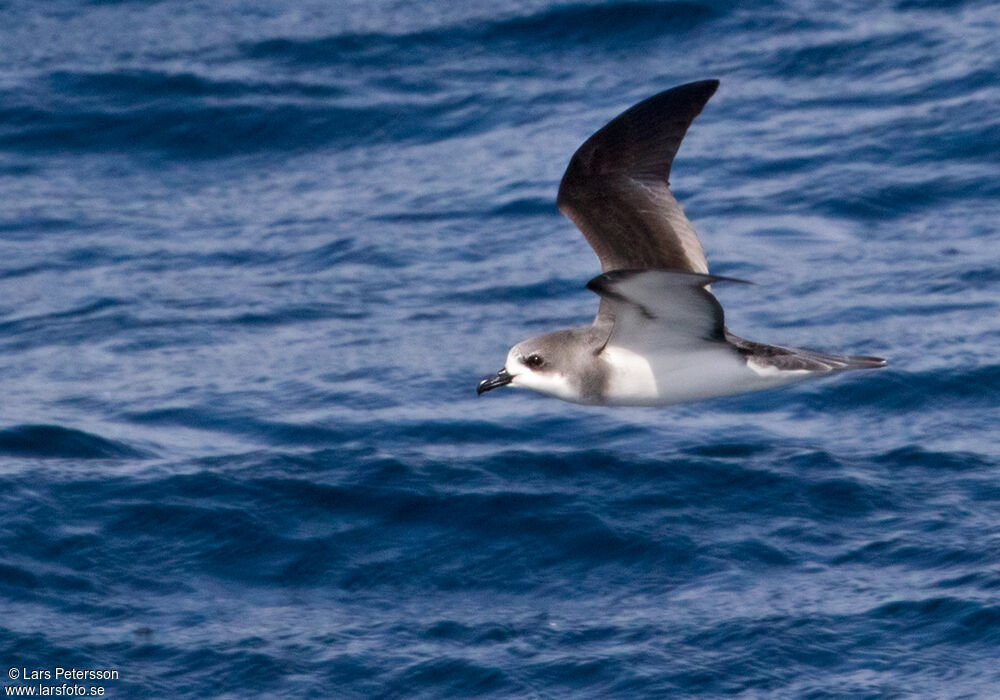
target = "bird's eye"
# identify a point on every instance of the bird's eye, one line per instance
(534, 360)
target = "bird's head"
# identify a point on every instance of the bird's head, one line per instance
(552, 364)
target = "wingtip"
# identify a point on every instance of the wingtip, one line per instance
(705, 88)
(690, 96)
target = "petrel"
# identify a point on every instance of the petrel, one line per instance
(659, 337)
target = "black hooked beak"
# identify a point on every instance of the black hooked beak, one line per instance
(502, 379)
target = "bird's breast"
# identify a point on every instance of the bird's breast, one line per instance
(630, 378)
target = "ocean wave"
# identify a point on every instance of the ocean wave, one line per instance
(857, 57)
(575, 26)
(57, 442)
(909, 391)
(945, 619)
(212, 131)
(131, 87)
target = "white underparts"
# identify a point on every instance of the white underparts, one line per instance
(630, 376)
(674, 377)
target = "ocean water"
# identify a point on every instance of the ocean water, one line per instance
(255, 257)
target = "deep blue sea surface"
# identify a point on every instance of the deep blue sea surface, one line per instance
(255, 256)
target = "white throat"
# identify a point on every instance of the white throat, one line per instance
(548, 383)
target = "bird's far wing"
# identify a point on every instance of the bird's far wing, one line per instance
(655, 310)
(616, 186)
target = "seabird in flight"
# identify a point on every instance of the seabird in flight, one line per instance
(659, 336)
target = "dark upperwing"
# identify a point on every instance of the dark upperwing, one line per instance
(616, 186)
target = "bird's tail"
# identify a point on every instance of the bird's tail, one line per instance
(799, 359)
(836, 363)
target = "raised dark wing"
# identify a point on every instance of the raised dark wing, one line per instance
(616, 186)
